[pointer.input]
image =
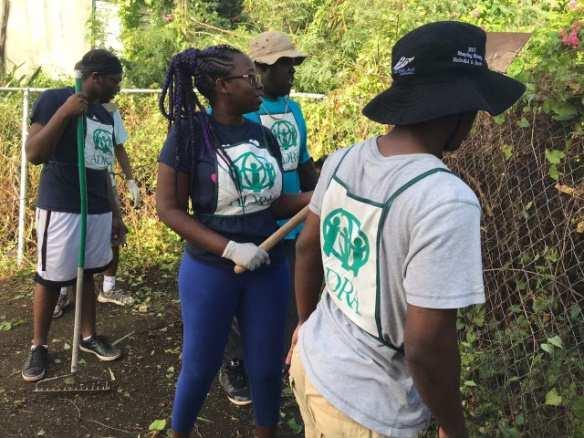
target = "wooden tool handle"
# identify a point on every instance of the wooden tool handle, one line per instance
(280, 233)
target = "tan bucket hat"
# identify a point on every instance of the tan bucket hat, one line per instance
(268, 47)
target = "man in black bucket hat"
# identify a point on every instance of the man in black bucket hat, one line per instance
(399, 250)
(440, 70)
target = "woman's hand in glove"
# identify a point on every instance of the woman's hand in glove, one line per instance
(248, 255)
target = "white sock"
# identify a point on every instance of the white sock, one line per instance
(64, 290)
(32, 347)
(87, 338)
(108, 283)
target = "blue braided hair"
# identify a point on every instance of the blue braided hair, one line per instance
(189, 69)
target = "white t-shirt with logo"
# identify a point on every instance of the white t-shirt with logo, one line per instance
(430, 257)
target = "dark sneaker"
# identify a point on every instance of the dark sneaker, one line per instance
(36, 364)
(63, 302)
(233, 380)
(99, 346)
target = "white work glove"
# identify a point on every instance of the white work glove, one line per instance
(248, 255)
(134, 191)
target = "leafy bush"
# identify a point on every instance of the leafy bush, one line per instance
(349, 48)
(147, 55)
(154, 30)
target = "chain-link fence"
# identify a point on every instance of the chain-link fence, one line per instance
(523, 354)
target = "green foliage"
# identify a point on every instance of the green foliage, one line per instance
(507, 151)
(527, 361)
(95, 31)
(9, 325)
(158, 425)
(354, 43)
(349, 48)
(146, 56)
(554, 158)
(154, 30)
(552, 67)
(295, 426)
(552, 398)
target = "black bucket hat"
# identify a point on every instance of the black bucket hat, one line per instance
(439, 69)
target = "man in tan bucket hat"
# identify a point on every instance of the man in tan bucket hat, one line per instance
(268, 47)
(275, 59)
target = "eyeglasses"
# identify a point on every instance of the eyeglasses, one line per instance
(255, 80)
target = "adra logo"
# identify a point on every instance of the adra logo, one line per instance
(285, 133)
(102, 140)
(344, 240)
(255, 173)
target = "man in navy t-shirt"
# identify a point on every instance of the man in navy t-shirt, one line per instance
(52, 142)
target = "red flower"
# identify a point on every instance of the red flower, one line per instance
(571, 39)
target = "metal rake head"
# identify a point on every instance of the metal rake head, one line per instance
(70, 383)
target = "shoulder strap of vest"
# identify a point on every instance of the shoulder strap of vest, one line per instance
(339, 165)
(341, 161)
(386, 209)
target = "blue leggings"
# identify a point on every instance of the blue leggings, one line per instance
(210, 297)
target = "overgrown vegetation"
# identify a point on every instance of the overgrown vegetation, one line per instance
(522, 354)
(350, 48)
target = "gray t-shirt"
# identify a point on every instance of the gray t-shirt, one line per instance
(430, 257)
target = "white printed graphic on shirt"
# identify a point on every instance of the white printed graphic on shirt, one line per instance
(285, 129)
(99, 145)
(349, 254)
(259, 177)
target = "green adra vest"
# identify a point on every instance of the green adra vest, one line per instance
(351, 235)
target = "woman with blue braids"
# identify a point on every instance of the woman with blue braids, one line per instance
(231, 170)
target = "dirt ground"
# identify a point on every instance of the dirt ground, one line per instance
(144, 379)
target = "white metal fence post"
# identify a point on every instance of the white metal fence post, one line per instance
(23, 169)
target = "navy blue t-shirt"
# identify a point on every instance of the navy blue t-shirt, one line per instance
(59, 183)
(231, 189)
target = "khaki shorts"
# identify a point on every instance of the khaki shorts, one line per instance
(321, 419)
